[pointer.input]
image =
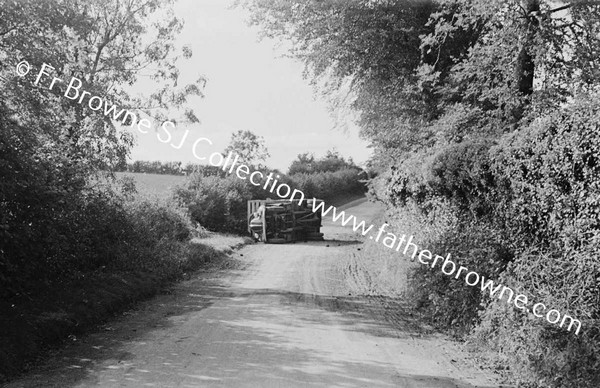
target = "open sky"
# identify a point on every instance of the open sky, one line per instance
(250, 86)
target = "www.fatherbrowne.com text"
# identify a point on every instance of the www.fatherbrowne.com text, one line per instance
(73, 91)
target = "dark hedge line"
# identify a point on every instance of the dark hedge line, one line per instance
(219, 203)
(169, 168)
(62, 229)
(527, 210)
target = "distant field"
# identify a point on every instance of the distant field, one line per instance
(153, 184)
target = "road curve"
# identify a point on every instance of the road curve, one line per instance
(287, 319)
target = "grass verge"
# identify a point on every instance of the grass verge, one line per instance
(55, 312)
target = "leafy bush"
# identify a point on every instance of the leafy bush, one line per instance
(458, 172)
(328, 185)
(537, 353)
(527, 213)
(461, 173)
(549, 199)
(218, 204)
(83, 261)
(56, 227)
(548, 177)
(155, 167)
(446, 301)
(331, 162)
(160, 221)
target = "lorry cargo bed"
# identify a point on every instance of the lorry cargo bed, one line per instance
(283, 220)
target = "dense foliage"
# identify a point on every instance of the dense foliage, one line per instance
(219, 202)
(248, 147)
(484, 120)
(548, 193)
(332, 161)
(170, 168)
(59, 224)
(329, 185)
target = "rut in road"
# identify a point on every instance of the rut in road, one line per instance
(292, 316)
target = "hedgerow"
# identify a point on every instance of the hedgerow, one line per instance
(68, 243)
(527, 214)
(220, 203)
(549, 199)
(327, 185)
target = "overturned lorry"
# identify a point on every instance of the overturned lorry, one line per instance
(283, 221)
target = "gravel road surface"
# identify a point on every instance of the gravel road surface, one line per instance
(295, 315)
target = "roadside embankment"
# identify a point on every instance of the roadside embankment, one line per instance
(61, 312)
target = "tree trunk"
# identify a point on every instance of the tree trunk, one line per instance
(525, 66)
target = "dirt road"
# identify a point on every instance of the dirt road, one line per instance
(293, 316)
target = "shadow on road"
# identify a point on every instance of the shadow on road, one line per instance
(248, 336)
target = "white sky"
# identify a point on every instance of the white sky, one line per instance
(250, 86)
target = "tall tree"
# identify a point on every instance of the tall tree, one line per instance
(423, 71)
(529, 56)
(50, 146)
(108, 45)
(373, 46)
(250, 148)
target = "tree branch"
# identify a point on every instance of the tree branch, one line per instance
(567, 6)
(2, 33)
